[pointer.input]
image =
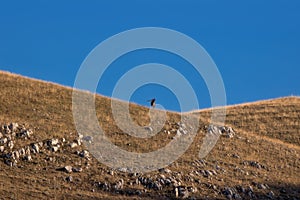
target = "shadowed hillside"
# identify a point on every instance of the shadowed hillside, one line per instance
(43, 156)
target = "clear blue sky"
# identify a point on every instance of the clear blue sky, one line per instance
(255, 44)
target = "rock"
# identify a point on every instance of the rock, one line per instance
(80, 136)
(253, 164)
(119, 185)
(36, 148)
(261, 186)
(73, 145)
(176, 192)
(208, 173)
(123, 169)
(104, 186)
(271, 195)
(235, 155)
(9, 162)
(10, 144)
(67, 169)
(1, 148)
(181, 192)
(149, 128)
(13, 126)
(52, 142)
(24, 134)
(27, 150)
(212, 129)
(55, 148)
(77, 169)
(178, 133)
(111, 172)
(21, 152)
(183, 131)
(78, 141)
(16, 155)
(1, 135)
(229, 192)
(28, 158)
(69, 179)
(164, 170)
(84, 154)
(3, 140)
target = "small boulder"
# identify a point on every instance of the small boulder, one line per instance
(73, 145)
(67, 169)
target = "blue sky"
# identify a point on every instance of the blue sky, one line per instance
(255, 44)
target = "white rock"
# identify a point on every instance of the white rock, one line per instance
(36, 148)
(53, 142)
(68, 168)
(13, 126)
(77, 141)
(10, 144)
(73, 145)
(1, 148)
(84, 154)
(75, 169)
(16, 155)
(22, 152)
(3, 140)
(149, 128)
(28, 158)
(54, 148)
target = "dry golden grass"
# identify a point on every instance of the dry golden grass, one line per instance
(267, 132)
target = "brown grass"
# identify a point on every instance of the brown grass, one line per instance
(267, 132)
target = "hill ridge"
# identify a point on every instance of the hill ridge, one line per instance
(259, 161)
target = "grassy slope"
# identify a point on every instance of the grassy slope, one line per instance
(267, 132)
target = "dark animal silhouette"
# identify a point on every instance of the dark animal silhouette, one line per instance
(152, 102)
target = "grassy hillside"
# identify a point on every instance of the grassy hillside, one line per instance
(260, 161)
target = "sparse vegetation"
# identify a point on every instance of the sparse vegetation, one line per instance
(262, 157)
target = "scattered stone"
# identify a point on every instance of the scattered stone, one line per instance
(13, 126)
(24, 134)
(52, 142)
(3, 140)
(104, 186)
(221, 130)
(54, 148)
(261, 186)
(75, 169)
(165, 170)
(84, 154)
(118, 185)
(36, 148)
(69, 179)
(78, 141)
(73, 145)
(181, 192)
(176, 192)
(111, 172)
(67, 169)
(235, 155)
(1, 148)
(10, 144)
(28, 158)
(253, 164)
(149, 128)
(271, 195)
